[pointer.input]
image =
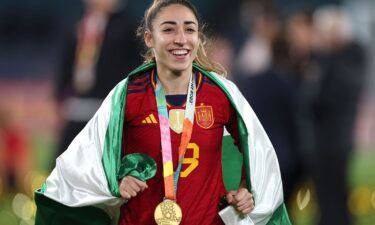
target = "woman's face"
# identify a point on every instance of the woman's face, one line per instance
(174, 38)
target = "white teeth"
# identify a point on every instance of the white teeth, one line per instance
(180, 52)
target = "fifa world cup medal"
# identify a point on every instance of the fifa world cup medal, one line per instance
(168, 213)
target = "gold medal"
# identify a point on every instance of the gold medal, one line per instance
(168, 213)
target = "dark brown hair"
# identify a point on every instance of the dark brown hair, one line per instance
(202, 59)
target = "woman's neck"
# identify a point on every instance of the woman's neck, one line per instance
(174, 83)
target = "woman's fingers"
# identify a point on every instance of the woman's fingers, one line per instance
(130, 186)
(230, 197)
(141, 184)
(246, 199)
(242, 200)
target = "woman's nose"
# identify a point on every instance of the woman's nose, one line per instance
(180, 37)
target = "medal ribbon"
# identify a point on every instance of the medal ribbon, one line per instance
(171, 178)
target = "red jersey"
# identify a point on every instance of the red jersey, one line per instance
(200, 184)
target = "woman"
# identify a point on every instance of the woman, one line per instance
(171, 110)
(171, 32)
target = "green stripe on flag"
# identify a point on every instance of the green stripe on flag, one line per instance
(280, 216)
(51, 212)
(113, 140)
(232, 164)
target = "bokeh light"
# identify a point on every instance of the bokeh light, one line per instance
(360, 201)
(373, 200)
(27, 210)
(303, 198)
(22, 206)
(304, 209)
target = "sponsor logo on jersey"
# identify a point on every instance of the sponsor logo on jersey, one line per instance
(150, 119)
(204, 116)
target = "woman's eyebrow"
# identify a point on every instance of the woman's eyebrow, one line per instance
(174, 22)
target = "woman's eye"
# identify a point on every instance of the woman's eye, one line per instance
(190, 30)
(167, 30)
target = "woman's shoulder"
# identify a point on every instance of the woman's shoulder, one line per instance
(218, 86)
(139, 83)
(222, 81)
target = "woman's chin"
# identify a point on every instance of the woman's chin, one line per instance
(180, 67)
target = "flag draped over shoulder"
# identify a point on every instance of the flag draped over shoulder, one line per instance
(83, 188)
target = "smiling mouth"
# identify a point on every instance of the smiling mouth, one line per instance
(179, 52)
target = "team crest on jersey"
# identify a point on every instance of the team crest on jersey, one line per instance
(204, 116)
(176, 120)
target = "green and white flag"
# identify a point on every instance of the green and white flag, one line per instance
(83, 188)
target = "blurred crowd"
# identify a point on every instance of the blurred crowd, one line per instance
(304, 78)
(301, 67)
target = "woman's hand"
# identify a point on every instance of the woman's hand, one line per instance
(241, 200)
(130, 186)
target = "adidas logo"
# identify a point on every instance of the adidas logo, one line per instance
(150, 119)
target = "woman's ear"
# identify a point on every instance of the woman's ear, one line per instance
(148, 39)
